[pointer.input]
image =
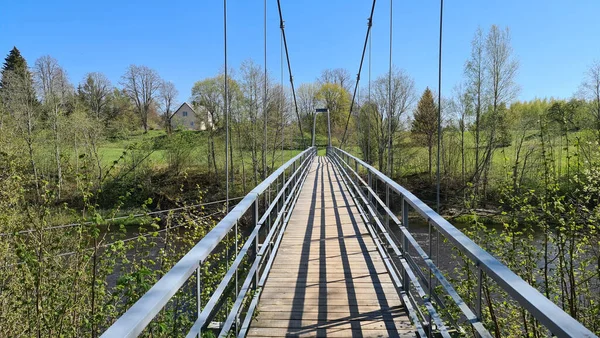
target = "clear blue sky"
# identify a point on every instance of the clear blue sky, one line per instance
(554, 40)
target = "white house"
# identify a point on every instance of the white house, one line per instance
(186, 117)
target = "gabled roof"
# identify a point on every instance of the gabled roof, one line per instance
(186, 104)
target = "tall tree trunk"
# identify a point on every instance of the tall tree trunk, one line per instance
(93, 287)
(212, 150)
(232, 175)
(462, 154)
(29, 140)
(430, 153)
(241, 154)
(57, 153)
(477, 141)
(94, 148)
(168, 125)
(144, 116)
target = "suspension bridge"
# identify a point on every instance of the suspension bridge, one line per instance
(328, 257)
(328, 251)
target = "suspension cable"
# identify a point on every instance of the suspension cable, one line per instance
(287, 55)
(70, 253)
(368, 112)
(439, 117)
(370, 54)
(226, 99)
(264, 147)
(362, 58)
(390, 151)
(358, 118)
(282, 100)
(118, 218)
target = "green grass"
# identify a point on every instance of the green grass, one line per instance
(409, 155)
(111, 151)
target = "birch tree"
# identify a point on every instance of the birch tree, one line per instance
(475, 78)
(501, 67)
(591, 91)
(390, 111)
(462, 107)
(53, 89)
(168, 96)
(307, 102)
(338, 76)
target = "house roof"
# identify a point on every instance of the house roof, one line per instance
(185, 104)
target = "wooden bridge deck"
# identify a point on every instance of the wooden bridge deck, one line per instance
(328, 279)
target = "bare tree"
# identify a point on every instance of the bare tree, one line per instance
(276, 114)
(339, 76)
(141, 85)
(501, 68)
(590, 89)
(168, 96)
(462, 107)
(251, 82)
(307, 102)
(402, 99)
(475, 74)
(208, 95)
(95, 90)
(53, 88)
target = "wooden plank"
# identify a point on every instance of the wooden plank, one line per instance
(328, 278)
(339, 332)
(396, 313)
(363, 324)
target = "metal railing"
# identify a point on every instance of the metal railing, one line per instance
(251, 265)
(419, 284)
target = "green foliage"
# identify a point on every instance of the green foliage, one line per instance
(335, 98)
(367, 137)
(179, 148)
(14, 62)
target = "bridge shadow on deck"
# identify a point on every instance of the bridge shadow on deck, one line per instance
(338, 308)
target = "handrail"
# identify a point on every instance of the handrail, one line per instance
(209, 307)
(135, 320)
(412, 271)
(549, 314)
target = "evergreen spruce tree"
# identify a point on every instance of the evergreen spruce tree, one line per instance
(424, 124)
(15, 66)
(14, 62)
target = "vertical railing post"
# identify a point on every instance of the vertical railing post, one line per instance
(429, 282)
(479, 292)
(237, 285)
(328, 130)
(356, 172)
(405, 206)
(283, 179)
(370, 183)
(256, 241)
(283, 188)
(387, 204)
(314, 128)
(199, 293)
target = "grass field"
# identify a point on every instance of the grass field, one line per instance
(197, 155)
(410, 158)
